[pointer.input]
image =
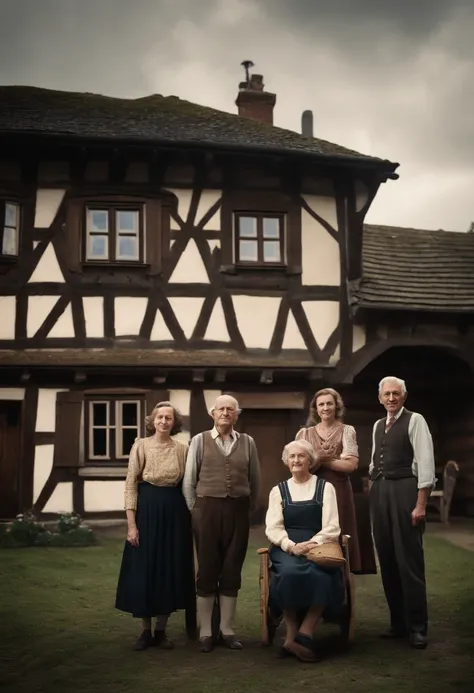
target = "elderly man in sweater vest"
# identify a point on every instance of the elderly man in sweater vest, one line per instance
(221, 485)
(402, 473)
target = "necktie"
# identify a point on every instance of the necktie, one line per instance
(389, 423)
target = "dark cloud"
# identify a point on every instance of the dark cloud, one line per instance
(393, 79)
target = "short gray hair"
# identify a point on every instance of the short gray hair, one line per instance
(314, 463)
(237, 408)
(391, 378)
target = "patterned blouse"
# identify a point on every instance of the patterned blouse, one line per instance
(160, 464)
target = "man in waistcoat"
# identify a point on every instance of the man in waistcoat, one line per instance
(221, 485)
(402, 474)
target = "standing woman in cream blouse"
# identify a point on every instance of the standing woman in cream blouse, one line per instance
(157, 573)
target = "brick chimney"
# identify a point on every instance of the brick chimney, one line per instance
(253, 102)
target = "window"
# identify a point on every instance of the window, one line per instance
(9, 229)
(112, 427)
(259, 239)
(114, 233)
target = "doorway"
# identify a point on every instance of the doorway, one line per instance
(271, 430)
(10, 423)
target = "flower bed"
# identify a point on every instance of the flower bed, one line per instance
(26, 530)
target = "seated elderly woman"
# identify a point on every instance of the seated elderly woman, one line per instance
(302, 513)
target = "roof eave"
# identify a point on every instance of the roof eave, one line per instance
(371, 163)
(448, 310)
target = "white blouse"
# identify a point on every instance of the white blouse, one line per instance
(275, 528)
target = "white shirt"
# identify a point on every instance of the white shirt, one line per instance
(423, 465)
(275, 526)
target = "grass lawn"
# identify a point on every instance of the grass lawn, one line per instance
(60, 632)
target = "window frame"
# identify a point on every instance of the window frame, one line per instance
(4, 201)
(112, 207)
(259, 217)
(114, 427)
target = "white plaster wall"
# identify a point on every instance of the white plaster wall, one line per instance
(323, 318)
(293, 338)
(47, 269)
(190, 268)
(320, 253)
(334, 359)
(46, 416)
(61, 499)
(103, 496)
(256, 318)
(187, 311)
(361, 194)
(207, 200)
(181, 399)
(64, 325)
(42, 469)
(47, 205)
(217, 328)
(129, 314)
(7, 317)
(184, 201)
(39, 307)
(210, 397)
(359, 337)
(94, 316)
(183, 437)
(214, 243)
(12, 393)
(160, 331)
(325, 206)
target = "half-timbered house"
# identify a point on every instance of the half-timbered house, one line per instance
(156, 249)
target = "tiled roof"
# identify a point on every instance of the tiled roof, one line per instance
(416, 270)
(156, 118)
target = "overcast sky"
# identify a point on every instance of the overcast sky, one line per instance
(392, 78)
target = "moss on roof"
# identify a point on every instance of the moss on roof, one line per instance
(152, 118)
(416, 269)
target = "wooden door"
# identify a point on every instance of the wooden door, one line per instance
(9, 459)
(271, 430)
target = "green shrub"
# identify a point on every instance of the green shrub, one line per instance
(26, 530)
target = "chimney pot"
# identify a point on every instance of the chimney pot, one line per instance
(307, 124)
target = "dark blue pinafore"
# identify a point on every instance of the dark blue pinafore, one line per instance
(297, 583)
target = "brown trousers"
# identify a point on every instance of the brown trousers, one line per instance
(221, 532)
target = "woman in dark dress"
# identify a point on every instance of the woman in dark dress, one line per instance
(335, 445)
(157, 573)
(302, 513)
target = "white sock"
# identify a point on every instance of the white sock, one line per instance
(205, 606)
(161, 622)
(228, 607)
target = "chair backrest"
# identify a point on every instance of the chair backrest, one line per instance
(450, 474)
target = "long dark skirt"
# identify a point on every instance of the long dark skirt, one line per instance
(298, 584)
(157, 577)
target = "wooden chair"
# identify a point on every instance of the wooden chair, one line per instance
(270, 623)
(441, 499)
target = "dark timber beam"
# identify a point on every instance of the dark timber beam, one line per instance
(199, 375)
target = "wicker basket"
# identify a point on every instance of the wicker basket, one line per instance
(327, 555)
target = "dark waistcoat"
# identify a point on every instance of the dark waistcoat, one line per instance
(393, 452)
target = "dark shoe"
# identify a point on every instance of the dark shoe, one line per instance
(231, 642)
(206, 645)
(393, 634)
(303, 647)
(161, 640)
(418, 641)
(284, 653)
(144, 641)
